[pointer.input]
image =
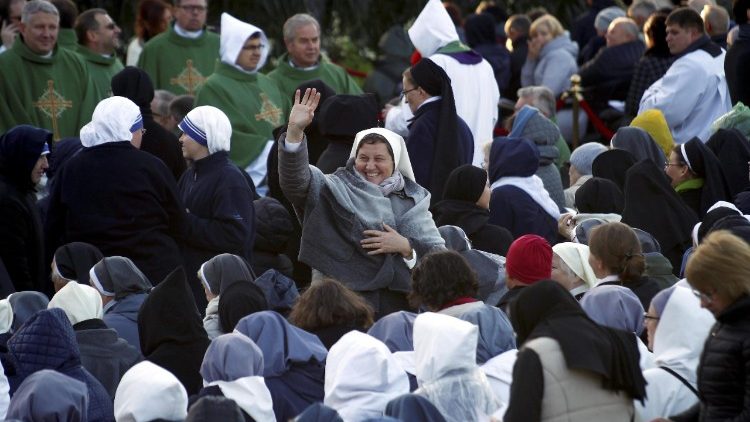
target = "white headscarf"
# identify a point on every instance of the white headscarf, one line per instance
(80, 302)
(208, 126)
(234, 34)
(443, 344)
(432, 29)
(398, 146)
(148, 392)
(114, 120)
(361, 377)
(576, 257)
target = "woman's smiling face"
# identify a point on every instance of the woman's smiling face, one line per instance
(374, 162)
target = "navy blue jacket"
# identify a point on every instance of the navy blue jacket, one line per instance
(608, 74)
(121, 200)
(221, 216)
(421, 144)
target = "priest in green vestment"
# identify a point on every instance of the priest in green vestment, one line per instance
(253, 102)
(180, 59)
(41, 84)
(302, 62)
(98, 38)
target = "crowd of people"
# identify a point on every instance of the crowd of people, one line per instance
(210, 233)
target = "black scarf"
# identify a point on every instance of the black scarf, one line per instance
(546, 309)
(613, 165)
(599, 196)
(702, 161)
(733, 151)
(447, 156)
(703, 43)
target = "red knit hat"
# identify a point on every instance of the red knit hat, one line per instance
(529, 259)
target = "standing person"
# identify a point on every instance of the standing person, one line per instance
(371, 214)
(653, 65)
(42, 84)
(472, 79)
(439, 140)
(480, 35)
(152, 19)
(251, 100)
(568, 366)
(98, 41)
(117, 198)
(517, 30)
(23, 161)
(216, 195)
(722, 377)
(135, 84)
(302, 61)
(180, 59)
(10, 20)
(738, 56)
(693, 93)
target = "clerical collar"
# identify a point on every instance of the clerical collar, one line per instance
(187, 34)
(430, 100)
(48, 55)
(313, 67)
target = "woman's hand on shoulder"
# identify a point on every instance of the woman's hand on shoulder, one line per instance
(303, 110)
(388, 241)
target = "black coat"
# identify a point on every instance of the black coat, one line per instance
(517, 60)
(724, 369)
(607, 76)
(21, 238)
(473, 220)
(274, 227)
(221, 216)
(164, 145)
(736, 63)
(124, 202)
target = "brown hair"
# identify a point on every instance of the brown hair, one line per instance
(330, 303)
(721, 262)
(442, 277)
(617, 246)
(150, 19)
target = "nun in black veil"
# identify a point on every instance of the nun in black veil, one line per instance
(613, 165)
(732, 149)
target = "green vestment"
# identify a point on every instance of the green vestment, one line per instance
(101, 70)
(53, 93)
(67, 38)
(178, 64)
(254, 104)
(289, 78)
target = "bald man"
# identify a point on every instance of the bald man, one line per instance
(716, 22)
(607, 76)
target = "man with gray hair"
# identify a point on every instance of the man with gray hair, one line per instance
(543, 99)
(160, 108)
(607, 76)
(41, 84)
(303, 62)
(639, 11)
(182, 57)
(716, 22)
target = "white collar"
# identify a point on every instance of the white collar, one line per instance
(580, 289)
(187, 34)
(307, 69)
(430, 100)
(612, 277)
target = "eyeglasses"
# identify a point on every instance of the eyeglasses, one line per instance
(707, 298)
(403, 93)
(667, 164)
(258, 47)
(191, 9)
(651, 317)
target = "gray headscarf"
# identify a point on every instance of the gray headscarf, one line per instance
(614, 307)
(118, 277)
(49, 395)
(530, 123)
(223, 270)
(639, 143)
(230, 357)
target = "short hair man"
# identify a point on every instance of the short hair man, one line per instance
(98, 38)
(693, 93)
(517, 29)
(716, 23)
(160, 107)
(10, 18)
(218, 198)
(543, 99)
(182, 57)
(607, 76)
(179, 107)
(253, 102)
(738, 57)
(302, 61)
(42, 84)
